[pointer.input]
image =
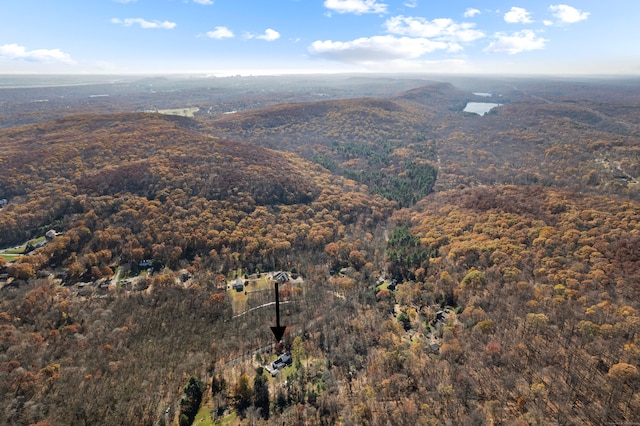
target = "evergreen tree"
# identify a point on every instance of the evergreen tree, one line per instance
(190, 402)
(243, 394)
(261, 393)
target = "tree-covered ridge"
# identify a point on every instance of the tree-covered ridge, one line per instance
(440, 99)
(533, 140)
(545, 288)
(160, 190)
(384, 144)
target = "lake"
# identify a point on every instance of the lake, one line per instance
(480, 108)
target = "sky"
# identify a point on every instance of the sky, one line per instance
(258, 37)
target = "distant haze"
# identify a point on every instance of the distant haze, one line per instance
(244, 37)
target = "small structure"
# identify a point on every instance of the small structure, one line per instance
(51, 234)
(281, 362)
(441, 317)
(238, 285)
(282, 277)
(144, 264)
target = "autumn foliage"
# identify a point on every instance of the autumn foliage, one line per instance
(455, 269)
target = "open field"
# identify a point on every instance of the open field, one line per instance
(184, 112)
(253, 283)
(12, 253)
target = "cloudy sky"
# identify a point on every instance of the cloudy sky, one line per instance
(225, 37)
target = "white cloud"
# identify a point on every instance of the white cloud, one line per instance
(269, 35)
(411, 3)
(204, 2)
(442, 29)
(220, 32)
(127, 22)
(517, 42)
(17, 52)
(518, 15)
(357, 7)
(471, 12)
(368, 50)
(567, 14)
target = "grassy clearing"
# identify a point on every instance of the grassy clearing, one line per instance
(238, 301)
(230, 420)
(239, 298)
(203, 418)
(12, 253)
(184, 112)
(383, 286)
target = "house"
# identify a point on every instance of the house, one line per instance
(50, 235)
(281, 362)
(144, 264)
(441, 317)
(281, 277)
(238, 284)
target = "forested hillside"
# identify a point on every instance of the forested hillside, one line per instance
(143, 186)
(442, 267)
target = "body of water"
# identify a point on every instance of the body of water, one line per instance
(480, 108)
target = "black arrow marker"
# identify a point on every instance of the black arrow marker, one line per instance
(278, 330)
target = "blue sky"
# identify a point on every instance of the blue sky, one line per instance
(228, 37)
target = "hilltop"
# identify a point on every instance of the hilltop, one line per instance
(158, 179)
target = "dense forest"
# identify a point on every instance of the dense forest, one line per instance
(442, 267)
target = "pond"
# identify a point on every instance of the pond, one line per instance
(480, 108)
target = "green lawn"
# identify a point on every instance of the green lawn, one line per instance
(11, 253)
(239, 298)
(383, 286)
(230, 420)
(8, 258)
(204, 417)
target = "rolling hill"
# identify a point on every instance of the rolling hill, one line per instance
(455, 268)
